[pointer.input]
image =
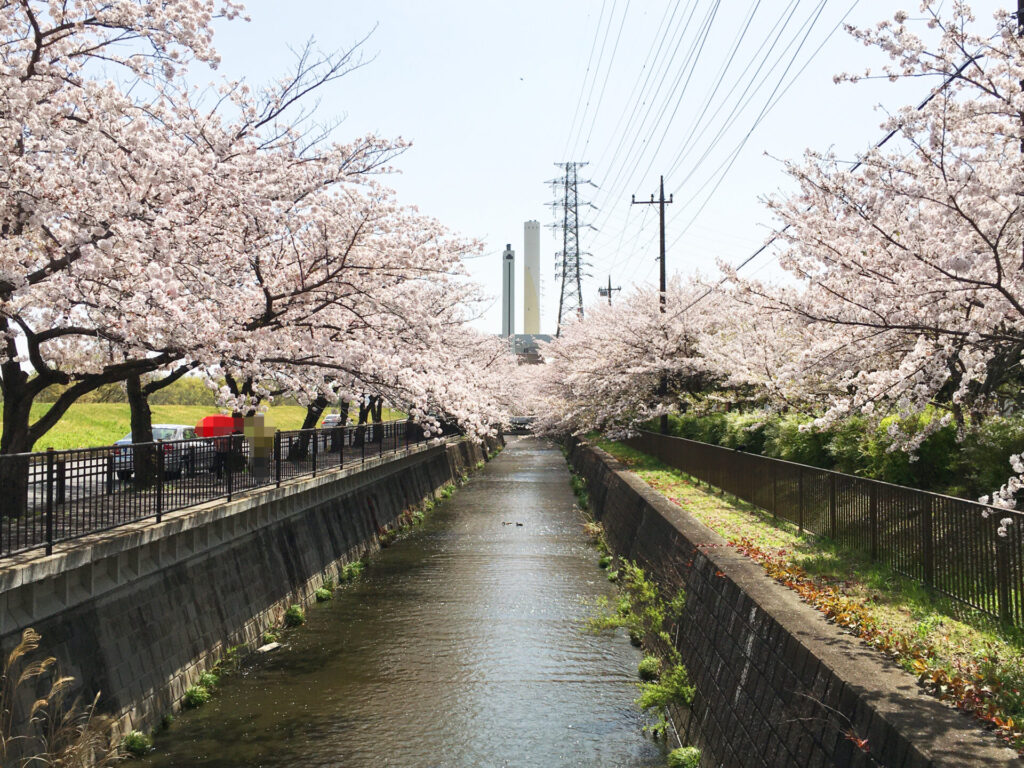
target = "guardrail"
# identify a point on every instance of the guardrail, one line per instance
(952, 546)
(55, 496)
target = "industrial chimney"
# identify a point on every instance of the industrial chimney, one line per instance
(531, 277)
(508, 291)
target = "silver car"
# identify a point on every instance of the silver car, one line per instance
(184, 452)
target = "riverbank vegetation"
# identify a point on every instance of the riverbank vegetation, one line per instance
(968, 467)
(52, 729)
(962, 657)
(651, 622)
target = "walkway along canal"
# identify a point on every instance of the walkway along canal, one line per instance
(459, 647)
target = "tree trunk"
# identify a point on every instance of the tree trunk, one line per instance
(299, 449)
(364, 412)
(14, 470)
(376, 406)
(143, 456)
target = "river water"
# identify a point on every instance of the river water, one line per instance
(460, 647)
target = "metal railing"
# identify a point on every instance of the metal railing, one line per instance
(950, 545)
(55, 496)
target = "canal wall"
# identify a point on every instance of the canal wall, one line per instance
(139, 612)
(776, 684)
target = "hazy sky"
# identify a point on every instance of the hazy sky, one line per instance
(712, 93)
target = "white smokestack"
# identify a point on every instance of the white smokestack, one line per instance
(508, 291)
(531, 277)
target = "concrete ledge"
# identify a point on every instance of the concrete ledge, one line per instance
(777, 684)
(139, 612)
(34, 587)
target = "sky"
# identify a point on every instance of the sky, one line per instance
(714, 95)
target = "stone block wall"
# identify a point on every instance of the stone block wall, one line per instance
(776, 685)
(138, 613)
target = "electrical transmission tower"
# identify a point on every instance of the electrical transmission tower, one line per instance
(569, 265)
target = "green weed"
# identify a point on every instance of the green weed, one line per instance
(196, 696)
(294, 616)
(137, 743)
(684, 757)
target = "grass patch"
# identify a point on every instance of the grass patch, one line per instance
(196, 696)
(95, 424)
(963, 657)
(294, 616)
(137, 743)
(684, 757)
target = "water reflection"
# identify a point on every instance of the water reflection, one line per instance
(460, 647)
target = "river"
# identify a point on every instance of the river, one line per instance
(460, 647)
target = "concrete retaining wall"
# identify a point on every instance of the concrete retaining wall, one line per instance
(777, 685)
(139, 612)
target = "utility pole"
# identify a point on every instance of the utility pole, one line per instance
(661, 201)
(608, 291)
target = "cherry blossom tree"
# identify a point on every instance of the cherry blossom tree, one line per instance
(910, 265)
(605, 372)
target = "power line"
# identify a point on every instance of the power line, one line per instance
(583, 85)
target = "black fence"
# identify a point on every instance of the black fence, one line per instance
(952, 546)
(59, 495)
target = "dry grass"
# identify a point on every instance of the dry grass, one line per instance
(50, 730)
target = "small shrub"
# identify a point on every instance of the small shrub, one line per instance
(137, 743)
(480, 465)
(270, 636)
(605, 561)
(323, 595)
(166, 721)
(294, 616)
(684, 757)
(329, 584)
(351, 571)
(387, 537)
(231, 660)
(208, 680)
(650, 668)
(613, 576)
(417, 517)
(196, 696)
(673, 687)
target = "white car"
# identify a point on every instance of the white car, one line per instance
(183, 451)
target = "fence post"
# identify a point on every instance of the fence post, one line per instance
(928, 545)
(362, 446)
(873, 519)
(775, 490)
(1003, 578)
(833, 511)
(110, 475)
(231, 464)
(159, 479)
(277, 457)
(316, 439)
(49, 501)
(800, 499)
(62, 481)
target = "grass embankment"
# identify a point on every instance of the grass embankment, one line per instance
(93, 424)
(962, 657)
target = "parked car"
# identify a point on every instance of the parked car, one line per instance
(183, 451)
(331, 420)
